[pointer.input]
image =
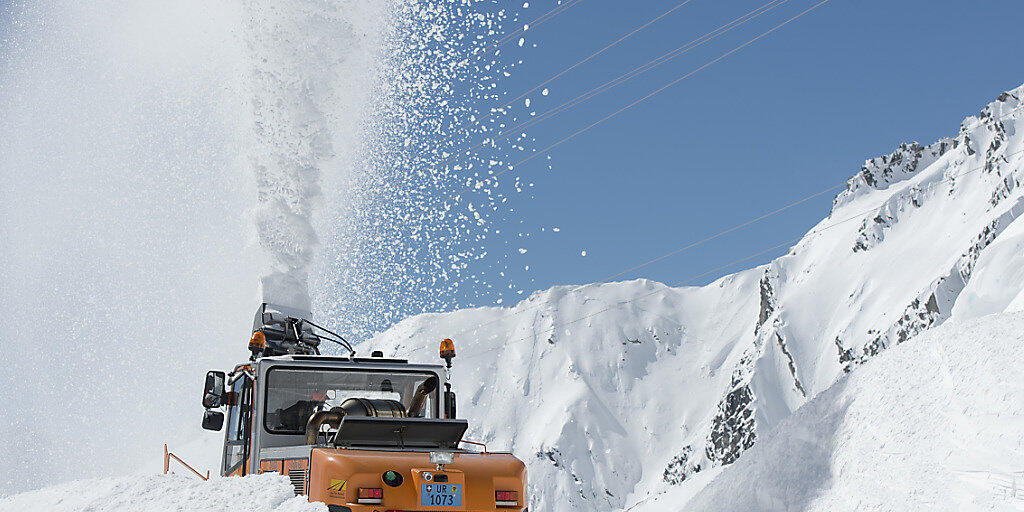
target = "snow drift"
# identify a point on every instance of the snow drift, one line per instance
(934, 424)
(160, 493)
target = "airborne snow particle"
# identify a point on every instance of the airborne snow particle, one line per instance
(556, 230)
(583, 253)
(521, 41)
(522, 250)
(544, 92)
(415, 230)
(527, 102)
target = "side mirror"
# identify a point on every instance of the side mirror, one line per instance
(213, 420)
(213, 392)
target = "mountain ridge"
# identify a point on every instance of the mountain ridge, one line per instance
(741, 354)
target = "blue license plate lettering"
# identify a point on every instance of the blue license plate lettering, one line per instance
(441, 495)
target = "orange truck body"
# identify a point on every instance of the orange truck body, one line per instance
(335, 474)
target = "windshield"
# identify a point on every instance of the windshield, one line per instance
(294, 394)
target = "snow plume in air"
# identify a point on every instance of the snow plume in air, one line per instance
(295, 50)
(420, 208)
(124, 264)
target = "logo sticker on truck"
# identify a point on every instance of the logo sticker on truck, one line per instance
(337, 487)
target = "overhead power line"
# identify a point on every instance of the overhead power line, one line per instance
(716, 235)
(580, 62)
(657, 91)
(635, 72)
(558, 9)
(734, 228)
(691, 279)
(722, 29)
(599, 52)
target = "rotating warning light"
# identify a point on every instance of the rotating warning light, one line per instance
(447, 350)
(258, 341)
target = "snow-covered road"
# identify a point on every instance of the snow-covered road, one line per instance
(165, 493)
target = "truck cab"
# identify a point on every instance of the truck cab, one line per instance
(358, 434)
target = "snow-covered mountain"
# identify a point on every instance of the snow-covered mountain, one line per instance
(616, 393)
(936, 423)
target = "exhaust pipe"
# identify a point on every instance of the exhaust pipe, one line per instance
(420, 396)
(332, 417)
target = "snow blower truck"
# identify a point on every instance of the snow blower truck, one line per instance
(358, 434)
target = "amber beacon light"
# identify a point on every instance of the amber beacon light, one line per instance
(258, 341)
(448, 351)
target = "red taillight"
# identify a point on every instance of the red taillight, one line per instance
(506, 498)
(370, 496)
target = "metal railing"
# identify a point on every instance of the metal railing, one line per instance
(167, 464)
(476, 444)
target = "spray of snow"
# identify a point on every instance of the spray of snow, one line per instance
(306, 69)
(417, 202)
(124, 261)
(164, 161)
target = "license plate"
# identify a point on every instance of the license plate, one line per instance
(441, 495)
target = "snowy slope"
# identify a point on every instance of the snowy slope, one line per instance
(598, 406)
(934, 424)
(614, 393)
(160, 493)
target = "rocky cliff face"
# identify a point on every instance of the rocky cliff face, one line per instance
(617, 392)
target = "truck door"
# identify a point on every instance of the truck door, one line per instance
(236, 441)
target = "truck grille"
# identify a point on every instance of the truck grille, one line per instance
(298, 478)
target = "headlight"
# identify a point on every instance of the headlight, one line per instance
(442, 458)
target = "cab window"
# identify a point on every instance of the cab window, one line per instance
(294, 394)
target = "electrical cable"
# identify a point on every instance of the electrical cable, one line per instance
(558, 9)
(722, 29)
(727, 265)
(343, 342)
(655, 92)
(736, 227)
(635, 72)
(599, 52)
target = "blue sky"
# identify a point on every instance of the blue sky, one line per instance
(790, 115)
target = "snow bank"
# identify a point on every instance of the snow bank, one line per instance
(998, 284)
(934, 424)
(162, 493)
